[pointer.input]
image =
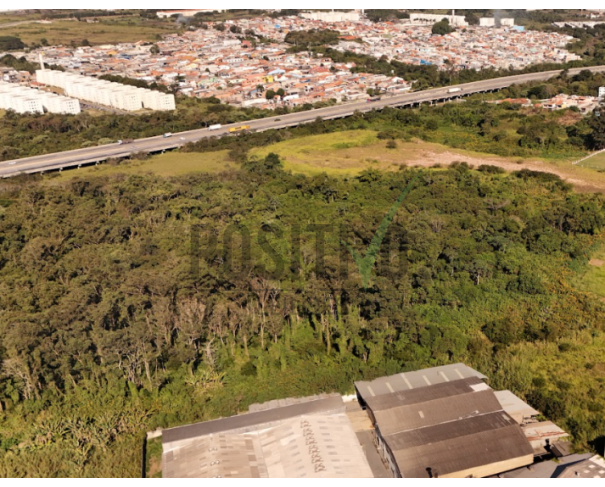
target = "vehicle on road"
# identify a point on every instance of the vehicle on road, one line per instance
(454, 90)
(12, 163)
(169, 134)
(242, 128)
(374, 98)
(218, 126)
(182, 138)
(125, 141)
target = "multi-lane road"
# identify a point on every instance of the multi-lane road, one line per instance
(92, 155)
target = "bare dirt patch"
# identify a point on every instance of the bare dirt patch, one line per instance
(431, 158)
(349, 153)
(596, 263)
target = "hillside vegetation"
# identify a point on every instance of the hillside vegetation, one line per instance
(109, 329)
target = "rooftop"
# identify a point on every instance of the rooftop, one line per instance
(592, 468)
(518, 409)
(415, 380)
(546, 470)
(456, 428)
(314, 439)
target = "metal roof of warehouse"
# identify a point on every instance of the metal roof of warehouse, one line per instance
(415, 380)
(332, 404)
(433, 405)
(310, 439)
(463, 453)
(456, 427)
(414, 396)
(449, 431)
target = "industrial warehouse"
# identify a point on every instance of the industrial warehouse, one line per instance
(106, 93)
(27, 100)
(441, 422)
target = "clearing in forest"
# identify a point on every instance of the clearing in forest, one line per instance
(351, 152)
(592, 279)
(597, 162)
(348, 154)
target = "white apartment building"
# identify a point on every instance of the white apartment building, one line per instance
(23, 103)
(454, 20)
(492, 22)
(26, 100)
(332, 16)
(602, 92)
(107, 93)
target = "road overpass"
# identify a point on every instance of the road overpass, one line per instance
(95, 155)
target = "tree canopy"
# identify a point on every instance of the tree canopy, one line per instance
(11, 43)
(442, 28)
(119, 314)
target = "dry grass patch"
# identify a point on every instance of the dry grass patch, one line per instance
(166, 165)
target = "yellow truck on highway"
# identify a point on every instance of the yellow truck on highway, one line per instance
(239, 129)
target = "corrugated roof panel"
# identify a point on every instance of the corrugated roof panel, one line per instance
(251, 420)
(417, 379)
(456, 427)
(437, 411)
(319, 446)
(415, 396)
(464, 453)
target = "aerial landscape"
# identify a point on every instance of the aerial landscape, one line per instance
(302, 243)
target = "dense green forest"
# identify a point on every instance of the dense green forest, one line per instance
(133, 302)
(109, 328)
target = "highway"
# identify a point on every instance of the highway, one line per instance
(93, 155)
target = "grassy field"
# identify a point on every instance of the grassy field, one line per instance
(169, 164)
(10, 18)
(341, 153)
(352, 152)
(348, 154)
(597, 162)
(106, 31)
(592, 279)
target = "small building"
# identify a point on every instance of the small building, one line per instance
(332, 16)
(517, 409)
(546, 470)
(593, 468)
(487, 22)
(542, 436)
